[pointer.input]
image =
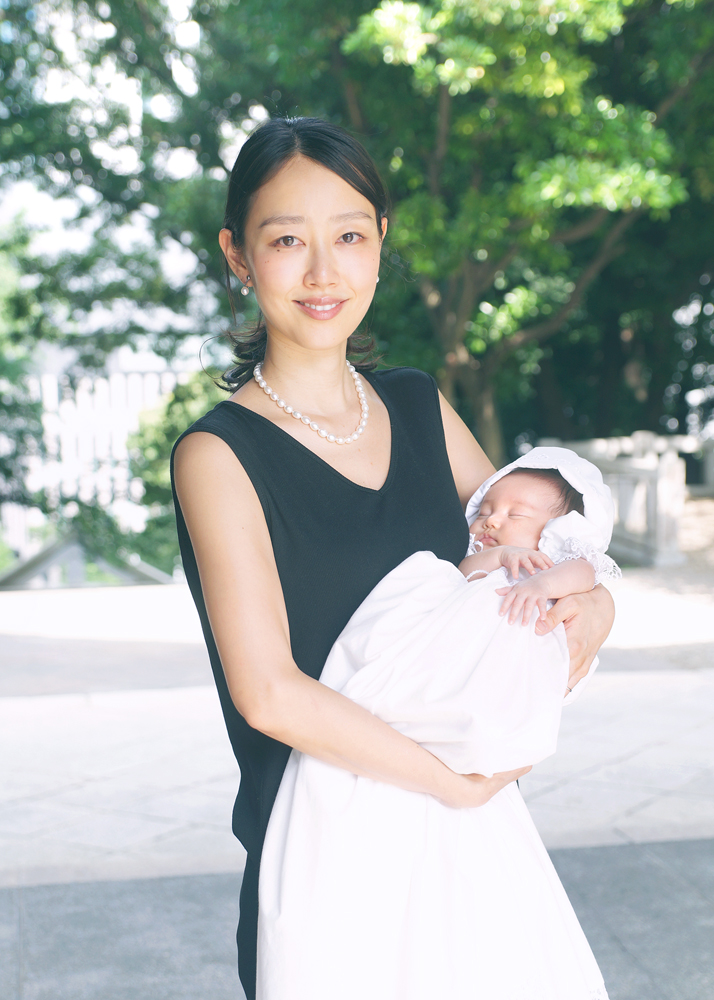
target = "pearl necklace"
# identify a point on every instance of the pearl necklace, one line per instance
(332, 438)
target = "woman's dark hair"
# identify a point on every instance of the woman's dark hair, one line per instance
(570, 499)
(266, 150)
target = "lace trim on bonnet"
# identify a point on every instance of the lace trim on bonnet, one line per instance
(605, 567)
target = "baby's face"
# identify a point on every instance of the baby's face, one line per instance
(515, 510)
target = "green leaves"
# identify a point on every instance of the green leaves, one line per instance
(402, 31)
(21, 437)
(570, 180)
(617, 162)
(521, 47)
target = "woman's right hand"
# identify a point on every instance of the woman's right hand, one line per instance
(476, 790)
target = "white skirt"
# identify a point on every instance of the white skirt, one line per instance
(370, 892)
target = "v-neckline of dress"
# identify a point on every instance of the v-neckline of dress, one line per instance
(392, 451)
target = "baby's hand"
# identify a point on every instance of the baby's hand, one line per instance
(525, 596)
(513, 558)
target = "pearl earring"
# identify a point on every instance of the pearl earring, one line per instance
(245, 290)
(377, 279)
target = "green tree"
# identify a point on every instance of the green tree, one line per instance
(21, 425)
(540, 156)
(150, 452)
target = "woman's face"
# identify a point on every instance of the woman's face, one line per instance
(312, 251)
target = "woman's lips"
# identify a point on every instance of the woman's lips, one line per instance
(320, 308)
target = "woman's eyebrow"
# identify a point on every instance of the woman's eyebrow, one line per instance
(282, 220)
(354, 214)
(296, 220)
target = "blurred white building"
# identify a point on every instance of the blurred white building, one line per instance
(87, 435)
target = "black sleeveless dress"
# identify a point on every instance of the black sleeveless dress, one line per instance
(333, 542)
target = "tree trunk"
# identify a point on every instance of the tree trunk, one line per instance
(462, 376)
(482, 397)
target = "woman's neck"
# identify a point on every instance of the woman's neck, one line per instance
(317, 381)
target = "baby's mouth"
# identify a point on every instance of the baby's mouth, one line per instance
(487, 540)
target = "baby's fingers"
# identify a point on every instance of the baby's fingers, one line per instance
(528, 606)
(514, 566)
(516, 562)
(510, 596)
(517, 604)
(542, 560)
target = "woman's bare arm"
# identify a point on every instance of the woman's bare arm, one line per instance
(588, 617)
(246, 609)
(469, 464)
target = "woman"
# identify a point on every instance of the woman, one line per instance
(284, 530)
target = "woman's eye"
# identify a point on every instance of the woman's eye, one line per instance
(351, 237)
(286, 241)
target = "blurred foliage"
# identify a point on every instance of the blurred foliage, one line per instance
(7, 556)
(21, 425)
(551, 166)
(150, 452)
(97, 530)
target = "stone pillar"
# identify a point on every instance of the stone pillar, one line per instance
(671, 491)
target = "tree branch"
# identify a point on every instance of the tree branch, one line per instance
(441, 142)
(583, 229)
(696, 67)
(475, 279)
(540, 331)
(350, 91)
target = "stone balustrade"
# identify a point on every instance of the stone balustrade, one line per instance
(646, 474)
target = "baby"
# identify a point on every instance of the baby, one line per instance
(511, 519)
(430, 652)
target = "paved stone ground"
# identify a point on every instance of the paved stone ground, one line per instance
(118, 873)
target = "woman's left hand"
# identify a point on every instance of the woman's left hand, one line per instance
(587, 619)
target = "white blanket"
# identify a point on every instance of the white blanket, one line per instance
(369, 892)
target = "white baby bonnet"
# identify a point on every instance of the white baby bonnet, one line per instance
(570, 536)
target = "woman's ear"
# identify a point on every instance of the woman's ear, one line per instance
(233, 255)
(385, 223)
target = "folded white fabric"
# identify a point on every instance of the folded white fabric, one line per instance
(570, 536)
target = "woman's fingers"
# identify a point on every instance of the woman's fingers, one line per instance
(506, 777)
(486, 788)
(587, 619)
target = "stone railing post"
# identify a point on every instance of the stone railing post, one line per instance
(647, 479)
(671, 491)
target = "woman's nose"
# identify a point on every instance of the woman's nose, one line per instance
(322, 267)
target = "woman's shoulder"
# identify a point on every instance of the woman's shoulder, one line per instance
(403, 376)
(223, 421)
(408, 384)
